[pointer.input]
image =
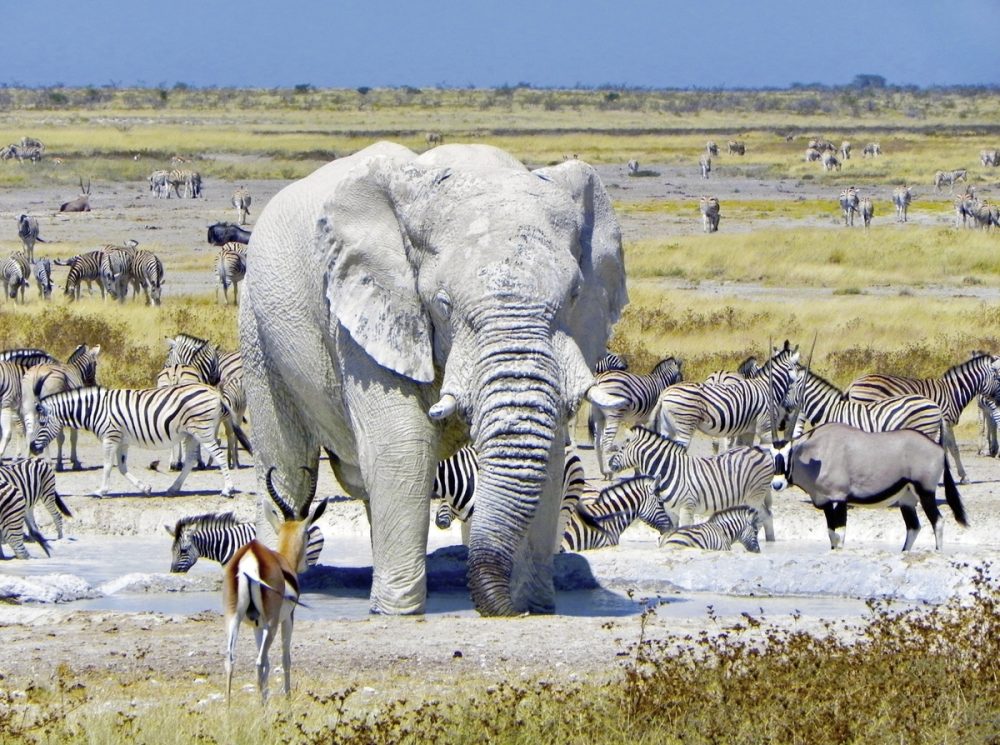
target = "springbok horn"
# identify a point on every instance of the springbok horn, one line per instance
(278, 500)
(313, 479)
(443, 408)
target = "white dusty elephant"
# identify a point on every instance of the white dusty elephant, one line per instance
(386, 291)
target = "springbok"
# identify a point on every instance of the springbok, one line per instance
(260, 586)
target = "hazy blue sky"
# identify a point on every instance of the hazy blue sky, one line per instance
(654, 43)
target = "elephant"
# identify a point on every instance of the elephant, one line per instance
(390, 297)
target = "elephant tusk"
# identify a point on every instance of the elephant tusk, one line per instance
(443, 408)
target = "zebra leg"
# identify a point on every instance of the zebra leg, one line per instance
(948, 440)
(15, 539)
(123, 469)
(217, 453)
(73, 459)
(836, 522)
(189, 447)
(110, 451)
(6, 427)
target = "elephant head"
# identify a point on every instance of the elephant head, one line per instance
(503, 284)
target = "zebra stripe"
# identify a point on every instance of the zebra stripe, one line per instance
(13, 511)
(27, 231)
(830, 161)
(901, 198)
(610, 361)
(36, 481)
(83, 268)
(845, 150)
(15, 272)
(709, 207)
(599, 520)
(147, 273)
(711, 148)
(952, 392)
(199, 353)
(719, 532)
(989, 158)
(872, 149)
(619, 397)
(705, 164)
(688, 485)
(849, 204)
(186, 178)
(949, 177)
(241, 201)
(159, 184)
(867, 211)
(43, 278)
(231, 268)
(151, 418)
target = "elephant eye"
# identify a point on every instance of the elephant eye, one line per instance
(443, 304)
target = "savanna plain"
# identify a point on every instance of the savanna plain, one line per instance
(886, 648)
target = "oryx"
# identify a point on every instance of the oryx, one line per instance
(837, 465)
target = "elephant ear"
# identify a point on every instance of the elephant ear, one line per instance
(371, 286)
(603, 293)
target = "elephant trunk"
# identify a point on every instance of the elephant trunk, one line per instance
(516, 413)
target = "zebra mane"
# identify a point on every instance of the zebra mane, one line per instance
(206, 521)
(825, 383)
(198, 342)
(77, 353)
(958, 370)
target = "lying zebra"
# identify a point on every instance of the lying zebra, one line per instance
(217, 536)
(599, 520)
(719, 533)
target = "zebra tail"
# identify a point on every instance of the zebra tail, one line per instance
(952, 497)
(38, 538)
(241, 436)
(62, 507)
(63, 262)
(593, 521)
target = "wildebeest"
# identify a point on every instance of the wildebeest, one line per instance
(837, 465)
(222, 233)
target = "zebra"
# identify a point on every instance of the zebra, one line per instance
(849, 203)
(33, 478)
(241, 201)
(845, 150)
(821, 145)
(742, 407)
(633, 167)
(150, 418)
(599, 519)
(952, 392)
(21, 152)
(42, 269)
(217, 536)
(117, 271)
(27, 231)
(989, 158)
(965, 208)
(231, 267)
(901, 198)
(830, 161)
(687, 485)
(13, 364)
(186, 178)
(872, 150)
(147, 271)
(13, 513)
(159, 184)
(709, 207)
(737, 147)
(817, 401)
(201, 354)
(83, 268)
(610, 361)
(434, 138)
(867, 211)
(949, 177)
(222, 233)
(179, 374)
(812, 155)
(78, 371)
(705, 164)
(15, 272)
(620, 397)
(719, 533)
(711, 148)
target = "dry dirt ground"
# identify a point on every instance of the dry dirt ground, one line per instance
(389, 655)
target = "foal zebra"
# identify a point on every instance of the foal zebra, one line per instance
(719, 533)
(619, 397)
(849, 204)
(218, 536)
(34, 479)
(952, 392)
(43, 278)
(901, 198)
(150, 418)
(13, 521)
(241, 201)
(159, 184)
(83, 268)
(709, 207)
(598, 521)
(688, 485)
(949, 177)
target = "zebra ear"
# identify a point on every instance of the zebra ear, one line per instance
(371, 286)
(170, 530)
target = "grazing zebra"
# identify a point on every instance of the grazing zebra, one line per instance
(965, 207)
(78, 371)
(241, 201)
(599, 520)
(830, 161)
(15, 272)
(186, 178)
(159, 184)
(989, 158)
(742, 407)
(231, 267)
(812, 155)
(83, 268)
(117, 271)
(952, 392)
(27, 231)
(719, 533)
(434, 138)
(817, 401)
(849, 203)
(147, 272)
(222, 233)
(619, 397)
(150, 418)
(901, 198)
(34, 479)
(737, 147)
(821, 145)
(217, 536)
(688, 485)
(709, 207)
(845, 150)
(455, 486)
(13, 512)
(711, 148)
(867, 211)
(633, 167)
(949, 177)
(43, 277)
(872, 149)
(705, 164)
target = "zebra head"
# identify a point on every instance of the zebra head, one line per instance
(748, 535)
(184, 552)
(48, 425)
